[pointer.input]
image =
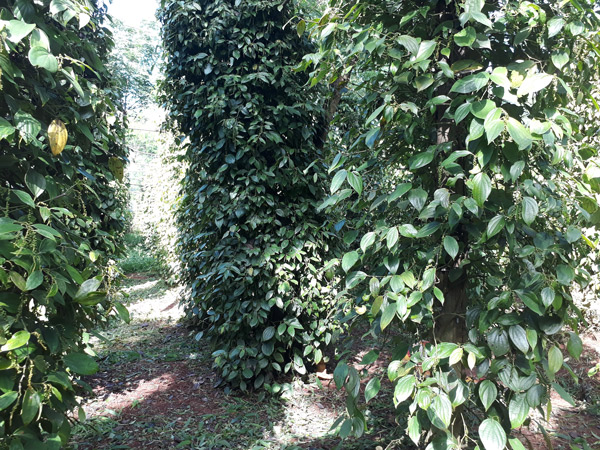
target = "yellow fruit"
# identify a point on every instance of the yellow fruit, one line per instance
(57, 135)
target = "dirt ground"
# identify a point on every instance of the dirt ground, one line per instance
(155, 390)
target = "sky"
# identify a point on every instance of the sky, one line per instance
(132, 12)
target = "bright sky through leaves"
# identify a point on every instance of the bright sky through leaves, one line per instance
(133, 12)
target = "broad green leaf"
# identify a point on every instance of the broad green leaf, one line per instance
(35, 182)
(560, 58)
(575, 345)
(534, 83)
(6, 129)
(515, 444)
(87, 288)
(518, 410)
(492, 435)
(451, 246)
(422, 82)
(81, 364)
(338, 180)
(519, 337)
(470, 83)
(563, 393)
(465, 37)
(31, 407)
(404, 388)
(498, 342)
(367, 241)
(18, 280)
(268, 333)
(349, 260)
(426, 49)
(387, 315)
(301, 27)
(34, 280)
(481, 109)
(456, 356)
(440, 412)
(529, 210)
(41, 57)
(17, 30)
(414, 429)
(482, 188)
(122, 311)
(519, 133)
(421, 160)
(24, 197)
(372, 388)
(18, 340)
(564, 274)
(392, 237)
(8, 399)
(409, 43)
(555, 25)
(487, 393)
(555, 359)
(355, 180)
(495, 225)
(548, 296)
(409, 279)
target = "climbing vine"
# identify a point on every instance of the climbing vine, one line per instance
(474, 186)
(62, 210)
(251, 241)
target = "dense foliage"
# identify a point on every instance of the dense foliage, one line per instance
(62, 213)
(473, 187)
(251, 241)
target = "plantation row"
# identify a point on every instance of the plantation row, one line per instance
(428, 169)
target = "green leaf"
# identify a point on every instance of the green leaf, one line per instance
(8, 399)
(25, 198)
(492, 435)
(17, 30)
(519, 133)
(34, 280)
(338, 180)
(487, 393)
(555, 359)
(498, 342)
(409, 279)
(465, 37)
(392, 237)
(575, 345)
(564, 394)
(422, 82)
(18, 340)
(564, 275)
(355, 181)
(81, 364)
(268, 333)
(387, 315)
(421, 160)
(470, 83)
(372, 388)
(534, 82)
(451, 246)
(518, 410)
(88, 287)
(548, 296)
(404, 388)
(555, 25)
(35, 182)
(481, 109)
(426, 49)
(367, 241)
(519, 337)
(409, 43)
(28, 126)
(123, 312)
(560, 58)
(349, 260)
(31, 407)
(18, 280)
(414, 429)
(301, 27)
(495, 225)
(41, 57)
(6, 129)
(339, 374)
(529, 210)
(482, 188)
(440, 412)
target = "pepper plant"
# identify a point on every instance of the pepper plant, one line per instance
(250, 238)
(61, 214)
(473, 181)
